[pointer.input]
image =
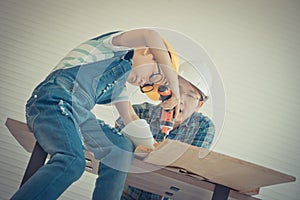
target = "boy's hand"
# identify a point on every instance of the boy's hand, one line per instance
(143, 149)
(171, 103)
(156, 144)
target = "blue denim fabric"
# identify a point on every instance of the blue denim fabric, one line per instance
(113, 169)
(58, 113)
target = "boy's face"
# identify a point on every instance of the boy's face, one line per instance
(189, 100)
(143, 66)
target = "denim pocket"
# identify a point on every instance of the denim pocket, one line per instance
(66, 84)
(32, 112)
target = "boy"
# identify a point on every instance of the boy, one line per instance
(59, 110)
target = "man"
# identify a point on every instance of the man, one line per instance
(190, 125)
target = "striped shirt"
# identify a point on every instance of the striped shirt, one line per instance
(197, 130)
(93, 50)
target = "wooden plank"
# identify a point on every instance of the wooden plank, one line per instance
(181, 185)
(216, 167)
(21, 133)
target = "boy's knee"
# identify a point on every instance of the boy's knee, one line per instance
(126, 145)
(73, 165)
(78, 167)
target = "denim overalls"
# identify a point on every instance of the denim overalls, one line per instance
(58, 113)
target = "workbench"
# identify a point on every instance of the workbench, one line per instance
(171, 181)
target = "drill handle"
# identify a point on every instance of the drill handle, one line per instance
(164, 92)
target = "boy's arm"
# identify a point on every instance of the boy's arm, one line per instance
(126, 112)
(149, 38)
(134, 126)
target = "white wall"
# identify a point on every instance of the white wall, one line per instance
(255, 45)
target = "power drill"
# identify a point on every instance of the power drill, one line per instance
(167, 116)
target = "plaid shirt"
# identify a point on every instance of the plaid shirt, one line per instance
(198, 130)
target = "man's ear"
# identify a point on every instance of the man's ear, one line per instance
(146, 51)
(200, 104)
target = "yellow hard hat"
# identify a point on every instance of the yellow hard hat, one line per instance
(153, 95)
(173, 55)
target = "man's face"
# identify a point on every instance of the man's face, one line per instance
(189, 100)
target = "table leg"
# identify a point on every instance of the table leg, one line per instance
(221, 192)
(36, 161)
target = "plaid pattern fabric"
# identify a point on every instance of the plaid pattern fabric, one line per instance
(198, 130)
